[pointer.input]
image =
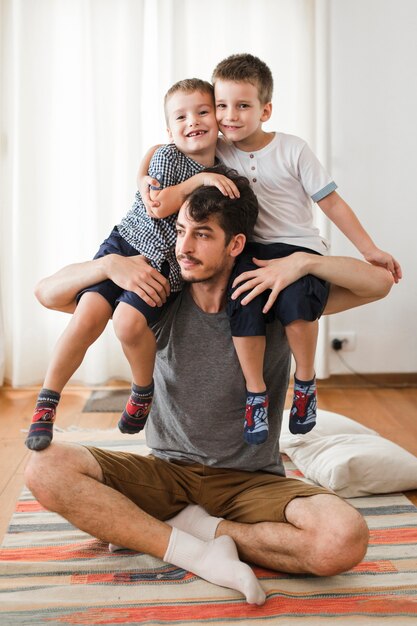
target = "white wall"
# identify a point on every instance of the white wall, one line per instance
(372, 63)
(373, 158)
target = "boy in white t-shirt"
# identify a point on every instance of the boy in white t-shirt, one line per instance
(286, 177)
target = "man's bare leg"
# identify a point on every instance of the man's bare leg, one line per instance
(323, 535)
(192, 519)
(68, 480)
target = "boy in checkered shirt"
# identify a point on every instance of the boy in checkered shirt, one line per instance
(192, 129)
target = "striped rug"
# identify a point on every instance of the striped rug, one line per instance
(54, 574)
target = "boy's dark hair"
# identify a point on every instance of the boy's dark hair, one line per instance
(235, 215)
(246, 68)
(188, 85)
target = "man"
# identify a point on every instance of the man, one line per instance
(194, 430)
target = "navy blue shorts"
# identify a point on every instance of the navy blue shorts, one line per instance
(304, 299)
(115, 244)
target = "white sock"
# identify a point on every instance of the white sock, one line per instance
(196, 521)
(114, 548)
(216, 561)
(193, 520)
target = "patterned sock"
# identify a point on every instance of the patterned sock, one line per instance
(256, 418)
(304, 406)
(41, 430)
(137, 409)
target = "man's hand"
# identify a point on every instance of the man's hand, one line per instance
(136, 274)
(384, 259)
(275, 275)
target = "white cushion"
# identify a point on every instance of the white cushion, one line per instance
(349, 458)
(329, 423)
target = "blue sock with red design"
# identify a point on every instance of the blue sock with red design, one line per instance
(41, 430)
(137, 409)
(304, 406)
(256, 418)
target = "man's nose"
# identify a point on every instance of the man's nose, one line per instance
(184, 244)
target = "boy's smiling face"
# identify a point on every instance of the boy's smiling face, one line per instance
(240, 113)
(192, 124)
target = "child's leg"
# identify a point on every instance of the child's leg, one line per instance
(302, 339)
(251, 352)
(139, 345)
(88, 322)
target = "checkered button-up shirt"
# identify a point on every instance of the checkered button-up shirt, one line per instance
(155, 238)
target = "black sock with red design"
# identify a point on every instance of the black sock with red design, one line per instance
(137, 409)
(41, 431)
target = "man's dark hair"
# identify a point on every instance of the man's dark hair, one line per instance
(235, 215)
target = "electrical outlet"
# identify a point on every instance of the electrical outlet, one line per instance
(348, 339)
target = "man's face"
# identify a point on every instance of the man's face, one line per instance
(201, 249)
(192, 124)
(239, 111)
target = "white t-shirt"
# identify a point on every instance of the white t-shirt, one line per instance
(286, 177)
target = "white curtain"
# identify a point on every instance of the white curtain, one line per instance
(82, 83)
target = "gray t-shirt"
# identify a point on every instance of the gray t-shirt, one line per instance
(199, 406)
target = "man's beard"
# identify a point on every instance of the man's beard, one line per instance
(195, 280)
(192, 279)
(212, 274)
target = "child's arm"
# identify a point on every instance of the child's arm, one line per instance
(144, 181)
(171, 198)
(167, 201)
(340, 213)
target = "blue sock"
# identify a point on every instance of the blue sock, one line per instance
(304, 406)
(256, 418)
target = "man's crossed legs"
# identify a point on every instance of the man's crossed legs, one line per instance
(277, 523)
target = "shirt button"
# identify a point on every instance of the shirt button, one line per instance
(254, 180)
(251, 156)
(253, 167)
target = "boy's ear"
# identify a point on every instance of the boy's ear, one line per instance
(266, 112)
(169, 134)
(237, 244)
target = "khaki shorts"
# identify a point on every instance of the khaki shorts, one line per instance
(163, 488)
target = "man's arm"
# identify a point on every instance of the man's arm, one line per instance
(58, 292)
(353, 282)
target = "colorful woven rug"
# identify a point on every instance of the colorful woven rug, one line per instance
(53, 574)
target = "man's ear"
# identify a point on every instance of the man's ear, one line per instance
(266, 112)
(237, 244)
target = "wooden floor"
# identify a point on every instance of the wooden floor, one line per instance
(390, 411)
